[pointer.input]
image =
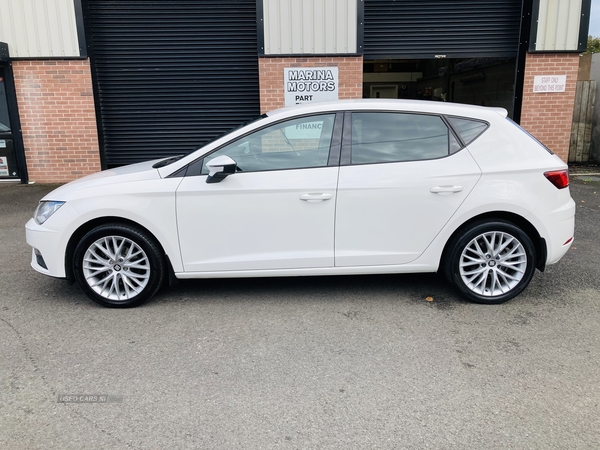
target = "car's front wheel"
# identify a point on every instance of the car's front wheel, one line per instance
(491, 262)
(118, 265)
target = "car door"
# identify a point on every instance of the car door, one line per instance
(276, 211)
(402, 177)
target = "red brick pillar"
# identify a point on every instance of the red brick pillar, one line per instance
(58, 120)
(549, 115)
(350, 70)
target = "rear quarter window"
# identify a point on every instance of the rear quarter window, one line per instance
(468, 129)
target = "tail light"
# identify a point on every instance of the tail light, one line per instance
(559, 178)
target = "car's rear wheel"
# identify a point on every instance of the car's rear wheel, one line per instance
(119, 265)
(491, 262)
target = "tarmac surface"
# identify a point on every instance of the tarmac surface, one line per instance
(301, 363)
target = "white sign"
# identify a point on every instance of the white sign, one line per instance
(3, 166)
(549, 83)
(2, 143)
(310, 84)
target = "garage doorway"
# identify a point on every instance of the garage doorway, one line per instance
(170, 76)
(485, 81)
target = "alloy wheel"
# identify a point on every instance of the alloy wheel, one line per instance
(493, 263)
(116, 268)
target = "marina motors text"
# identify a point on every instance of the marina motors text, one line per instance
(310, 81)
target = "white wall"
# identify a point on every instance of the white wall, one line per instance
(39, 28)
(294, 27)
(558, 25)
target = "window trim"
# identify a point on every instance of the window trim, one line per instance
(340, 149)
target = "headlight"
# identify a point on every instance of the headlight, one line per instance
(45, 209)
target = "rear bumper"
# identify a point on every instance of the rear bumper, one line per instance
(555, 220)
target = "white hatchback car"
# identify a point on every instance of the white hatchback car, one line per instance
(340, 188)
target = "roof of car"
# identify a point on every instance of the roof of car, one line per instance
(390, 104)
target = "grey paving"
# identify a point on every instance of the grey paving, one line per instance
(313, 363)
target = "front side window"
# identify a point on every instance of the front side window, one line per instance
(392, 137)
(293, 144)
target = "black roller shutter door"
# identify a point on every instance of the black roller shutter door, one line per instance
(420, 29)
(171, 75)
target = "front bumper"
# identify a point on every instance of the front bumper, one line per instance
(46, 250)
(49, 241)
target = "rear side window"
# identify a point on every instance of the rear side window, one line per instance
(467, 129)
(393, 137)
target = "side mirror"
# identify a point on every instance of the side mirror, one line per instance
(220, 168)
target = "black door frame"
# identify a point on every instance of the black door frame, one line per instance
(13, 112)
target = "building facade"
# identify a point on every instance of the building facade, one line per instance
(93, 84)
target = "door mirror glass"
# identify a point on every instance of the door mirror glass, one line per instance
(220, 168)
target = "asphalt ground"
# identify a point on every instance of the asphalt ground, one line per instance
(301, 363)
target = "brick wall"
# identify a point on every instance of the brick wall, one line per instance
(56, 108)
(350, 73)
(548, 116)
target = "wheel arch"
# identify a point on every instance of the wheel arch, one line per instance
(539, 242)
(85, 228)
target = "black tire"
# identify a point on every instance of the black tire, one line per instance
(124, 266)
(491, 262)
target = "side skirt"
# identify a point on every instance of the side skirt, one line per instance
(323, 271)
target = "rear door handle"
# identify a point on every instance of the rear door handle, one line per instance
(446, 190)
(317, 197)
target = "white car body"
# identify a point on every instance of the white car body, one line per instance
(340, 219)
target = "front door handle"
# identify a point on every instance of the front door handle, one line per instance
(314, 198)
(446, 190)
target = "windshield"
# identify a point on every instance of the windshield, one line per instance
(256, 119)
(172, 159)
